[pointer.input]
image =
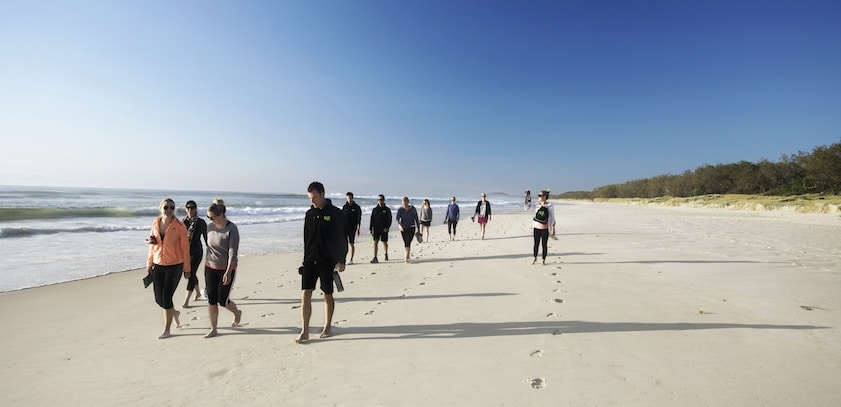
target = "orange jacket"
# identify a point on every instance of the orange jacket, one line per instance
(173, 248)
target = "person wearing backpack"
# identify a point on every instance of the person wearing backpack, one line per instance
(543, 224)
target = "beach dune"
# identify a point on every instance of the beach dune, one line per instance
(637, 305)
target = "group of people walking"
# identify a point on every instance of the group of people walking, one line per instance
(175, 249)
(329, 236)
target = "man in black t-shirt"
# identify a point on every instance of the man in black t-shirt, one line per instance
(325, 248)
(353, 214)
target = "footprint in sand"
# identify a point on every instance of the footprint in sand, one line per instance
(557, 290)
(536, 354)
(422, 283)
(218, 373)
(558, 300)
(194, 319)
(369, 312)
(557, 332)
(267, 315)
(551, 315)
(245, 298)
(259, 282)
(537, 383)
(553, 274)
(382, 302)
(296, 306)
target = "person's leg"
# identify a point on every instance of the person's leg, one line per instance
(352, 251)
(376, 246)
(306, 313)
(224, 299)
(385, 249)
(536, 234)
(455, 223)
(329, 308)
(171, 276)
(212, 281)
(545, 243)
(192, 285)
(213, 312)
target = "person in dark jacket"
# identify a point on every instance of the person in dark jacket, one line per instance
(353, 214)
(483, 213)
(379, 226)
(325, 248)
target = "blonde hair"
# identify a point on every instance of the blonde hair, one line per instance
(163, 203)
(217, 207)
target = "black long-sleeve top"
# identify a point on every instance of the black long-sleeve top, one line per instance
(324, 235)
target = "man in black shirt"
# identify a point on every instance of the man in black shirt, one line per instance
(353, 214)
(325, 249)
(380, 223)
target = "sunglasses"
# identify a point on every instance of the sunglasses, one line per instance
(167, 207)
(190, 207)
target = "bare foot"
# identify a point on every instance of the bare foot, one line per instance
(211, 334)
(534, 261)
(325, 333)
(237, 318)
(177, 321)
(164, 335)
(186, 304)
(302, 338)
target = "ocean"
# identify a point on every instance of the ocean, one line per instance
(50, 235)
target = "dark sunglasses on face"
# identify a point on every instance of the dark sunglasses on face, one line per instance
(190, 207)
(167, 207)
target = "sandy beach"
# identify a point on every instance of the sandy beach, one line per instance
(636, 306)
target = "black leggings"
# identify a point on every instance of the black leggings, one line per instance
(218, 293)
(451, 226)
(195, 261)
(165, 281)
(408, 235)
(541, 237)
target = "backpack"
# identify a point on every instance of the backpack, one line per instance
(542, 215)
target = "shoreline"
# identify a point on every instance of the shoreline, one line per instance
(636, 305)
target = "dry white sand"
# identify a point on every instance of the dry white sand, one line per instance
(636, 306)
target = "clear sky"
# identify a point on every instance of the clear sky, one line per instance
(408, 97)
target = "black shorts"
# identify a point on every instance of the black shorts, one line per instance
(380, 235)
(351, 234)
(320, 271)
(425, 222)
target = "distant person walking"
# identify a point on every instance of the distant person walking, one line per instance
(379, 226)
(169, 257)
(451, 218)
(543, 223)
(527, 204)
(221, 264)
(196, 231)
(425, 219)
(407, 219)
(353, 214)
(325, 248)
(482, 213)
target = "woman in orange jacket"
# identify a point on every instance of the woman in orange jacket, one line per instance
(169, 257)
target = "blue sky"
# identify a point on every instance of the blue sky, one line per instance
(408, 97)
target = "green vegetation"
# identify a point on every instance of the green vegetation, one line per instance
(801, 177)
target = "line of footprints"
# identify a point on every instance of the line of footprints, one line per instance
(540, 382)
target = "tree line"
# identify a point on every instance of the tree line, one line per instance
(802, 173)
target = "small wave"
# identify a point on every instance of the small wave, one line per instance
(28, 232)
(17, 214)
